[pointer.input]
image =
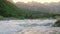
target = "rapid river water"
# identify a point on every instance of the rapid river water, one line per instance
(29, 26)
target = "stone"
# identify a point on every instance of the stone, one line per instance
(57, 23)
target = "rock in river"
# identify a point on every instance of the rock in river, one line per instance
(57, 23)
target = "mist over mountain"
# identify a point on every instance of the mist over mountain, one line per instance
(53, 7)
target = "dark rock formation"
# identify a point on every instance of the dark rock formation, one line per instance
(57, 23)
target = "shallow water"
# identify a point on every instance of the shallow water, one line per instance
(29, 26)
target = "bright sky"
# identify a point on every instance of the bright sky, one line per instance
(41, 1)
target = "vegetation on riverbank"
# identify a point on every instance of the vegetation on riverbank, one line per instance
(1, 17)
(8, 10)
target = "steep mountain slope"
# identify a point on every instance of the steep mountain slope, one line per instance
(53, 7)
(7, 9)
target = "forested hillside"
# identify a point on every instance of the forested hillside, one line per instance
(8, 10)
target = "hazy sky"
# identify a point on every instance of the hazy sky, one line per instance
(41, 1)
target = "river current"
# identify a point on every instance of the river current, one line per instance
(29, 26)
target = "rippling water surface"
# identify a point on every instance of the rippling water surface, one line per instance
(29, 26)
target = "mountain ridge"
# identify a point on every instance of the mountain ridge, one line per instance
(8, 10)
(53, 7)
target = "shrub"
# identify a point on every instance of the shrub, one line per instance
(1, 17)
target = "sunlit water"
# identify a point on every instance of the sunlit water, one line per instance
(29, 26)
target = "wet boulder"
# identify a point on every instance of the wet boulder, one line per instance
(57, 23)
